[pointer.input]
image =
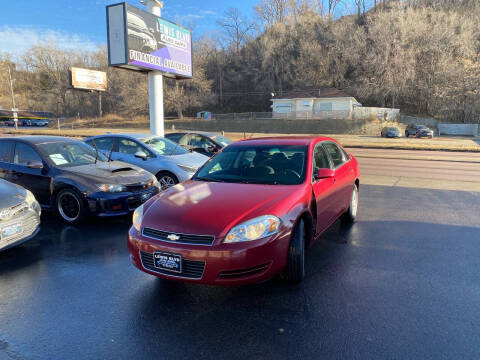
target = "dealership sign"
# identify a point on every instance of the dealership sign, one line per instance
(139, 40)
(88, 79)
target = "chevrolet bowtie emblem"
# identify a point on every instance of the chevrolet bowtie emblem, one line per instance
(173, 237)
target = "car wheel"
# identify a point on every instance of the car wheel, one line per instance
(70, 206)
(351, 214)
(407, 134)
(166, 179)
(295, 269)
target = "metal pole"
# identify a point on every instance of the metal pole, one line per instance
(100, 113)
(14, 109)
(155, 83)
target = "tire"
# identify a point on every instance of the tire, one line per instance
(350, 215)
(166, 179)
(70, 206)
(407, 134)
(294, 271)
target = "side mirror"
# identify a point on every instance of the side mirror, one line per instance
(324, 173)
(35, 165)
(141, 155)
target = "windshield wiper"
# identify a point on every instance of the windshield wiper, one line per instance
(96, 151)
(208, 179)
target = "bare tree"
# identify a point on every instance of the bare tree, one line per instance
(236, 28)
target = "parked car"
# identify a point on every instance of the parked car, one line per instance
(167, 160)
(70, 177)
(425, 132)
(248, 214)
(19, 215)
(413, 129)
(204, 143)
(391, 132)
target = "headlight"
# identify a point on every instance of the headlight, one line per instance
(254, 229)
(111, 188)
(138, 217)
(188, 169)
(31, 202)
(156, 183)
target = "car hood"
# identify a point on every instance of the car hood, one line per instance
(191, 159)
(10, 194)
(113, 172)
(212, 208)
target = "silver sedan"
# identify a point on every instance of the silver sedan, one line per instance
(170, 162)
(19, 215)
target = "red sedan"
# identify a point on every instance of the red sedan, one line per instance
(248, 214)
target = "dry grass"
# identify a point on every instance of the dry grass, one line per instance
(361, 141)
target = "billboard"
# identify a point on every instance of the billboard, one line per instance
(139, 40)
(88, 79)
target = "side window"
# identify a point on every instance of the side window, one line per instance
(184, 140)
(25, 154)
(336, 154)
(104, 144)
(5, 151)
(198, 141)
(174, 137)
(320, 158)
(126, 146)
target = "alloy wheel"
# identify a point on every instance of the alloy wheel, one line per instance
(69, 207)
(166, 182)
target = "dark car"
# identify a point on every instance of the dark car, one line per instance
(248, 214)
(413, 129)
(202, 142)
(425, 132)
(391, 132)
(73, 178)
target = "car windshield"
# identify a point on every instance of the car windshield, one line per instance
(69, 154)
(222, 140)
(276, 165)
(164, 146)
(392, 129)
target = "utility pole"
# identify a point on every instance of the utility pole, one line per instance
(14, 109)
(155, 82)
(100, 113)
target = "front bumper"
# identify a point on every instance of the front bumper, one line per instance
(218, 264)
(30, 224)
(116, 204)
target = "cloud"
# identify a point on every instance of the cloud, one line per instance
(16, 40)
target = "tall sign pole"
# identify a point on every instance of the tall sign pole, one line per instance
(155, 82)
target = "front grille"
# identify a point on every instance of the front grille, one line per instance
(139, 187)
(13, 211)
(191, 269)
(229, 274)
(29, 223)
(183, 238)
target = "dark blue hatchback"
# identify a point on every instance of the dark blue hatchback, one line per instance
(74, 179)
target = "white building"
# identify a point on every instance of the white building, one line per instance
(320, 103)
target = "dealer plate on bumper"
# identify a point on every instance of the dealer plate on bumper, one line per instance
(168, 262)
(9, 231)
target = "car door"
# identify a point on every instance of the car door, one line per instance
(127, 148)
(34, 179)
(344, 176)
(6, 154)
(323, 189)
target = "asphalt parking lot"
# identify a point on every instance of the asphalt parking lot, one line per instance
(403, 283)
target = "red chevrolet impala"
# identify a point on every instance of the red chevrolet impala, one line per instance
(248, 214)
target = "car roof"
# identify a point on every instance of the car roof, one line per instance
(131, 135)
(283, 140)
(41, 139)
(204, 133)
